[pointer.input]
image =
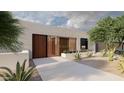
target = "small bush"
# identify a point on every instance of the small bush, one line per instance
(121, 65)
(111, 54)
(77, 56)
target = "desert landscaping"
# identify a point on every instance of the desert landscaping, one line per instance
(102, 63)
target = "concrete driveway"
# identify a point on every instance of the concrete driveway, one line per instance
(61, 69)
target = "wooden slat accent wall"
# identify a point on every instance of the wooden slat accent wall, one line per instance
(51, 46)
(48, 46)
(72, 44)
(57, 46)
(64, 44)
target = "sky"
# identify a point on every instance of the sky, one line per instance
(81, 20)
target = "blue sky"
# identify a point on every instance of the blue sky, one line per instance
(81, 20)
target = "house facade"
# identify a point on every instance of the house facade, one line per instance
(47, 41)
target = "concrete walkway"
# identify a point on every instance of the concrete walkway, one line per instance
(57, 68)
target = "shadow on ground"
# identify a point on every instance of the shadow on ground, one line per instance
(95, 62)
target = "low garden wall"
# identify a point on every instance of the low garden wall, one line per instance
(72, 55)
(10, 59)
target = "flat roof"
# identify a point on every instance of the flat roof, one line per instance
(38, 26)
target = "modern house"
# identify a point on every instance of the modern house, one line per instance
(47, 41)
(41, 41)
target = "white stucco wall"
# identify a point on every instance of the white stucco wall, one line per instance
(91, 46)
(35, 28)
(10, 59)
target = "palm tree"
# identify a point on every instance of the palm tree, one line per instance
(10, 30)
(22, 73)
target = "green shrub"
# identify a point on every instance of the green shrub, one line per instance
(121, 65)
(110, 54)
(22, 73)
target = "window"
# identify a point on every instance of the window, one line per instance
(83, 43)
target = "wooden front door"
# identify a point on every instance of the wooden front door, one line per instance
(39, 46)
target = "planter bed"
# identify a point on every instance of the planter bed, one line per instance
(72, 55)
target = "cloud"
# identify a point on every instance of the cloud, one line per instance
(82, 20)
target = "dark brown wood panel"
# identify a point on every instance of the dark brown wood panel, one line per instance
(64, 44)
(51, 46)
(39, 46)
